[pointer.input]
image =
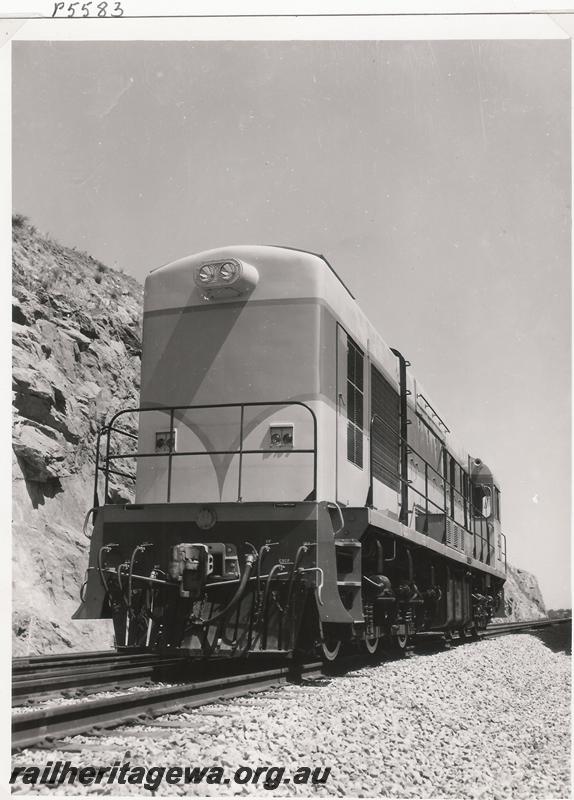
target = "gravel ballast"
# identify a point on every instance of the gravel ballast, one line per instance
(489, 719)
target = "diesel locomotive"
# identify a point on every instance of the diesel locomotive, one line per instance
(295, 489)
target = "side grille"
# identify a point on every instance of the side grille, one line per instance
(454, 535)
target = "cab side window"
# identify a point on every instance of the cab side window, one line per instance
(355, 393)
(497, 503)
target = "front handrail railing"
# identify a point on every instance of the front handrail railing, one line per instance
(104, 463)
(504, 541)
(471, 513)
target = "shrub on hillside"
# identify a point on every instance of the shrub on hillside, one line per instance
(19, 220)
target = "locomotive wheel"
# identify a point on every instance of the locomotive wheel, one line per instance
(401, 640)
(372, 645)
(331, 649)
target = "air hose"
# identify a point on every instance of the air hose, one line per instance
(249, 561)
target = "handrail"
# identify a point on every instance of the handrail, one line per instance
(95, 501)
(504, 539)
(475, 516)
(110, 428)
(434, 412)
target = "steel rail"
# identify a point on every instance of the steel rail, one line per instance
(21, 663)
(499, 629)
(109, 674)
(46, 724)
(35, 665)
(48, 673)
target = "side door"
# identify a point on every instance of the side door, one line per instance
(352, 421)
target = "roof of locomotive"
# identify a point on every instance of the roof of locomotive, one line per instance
(284, 274)
(254, 254)
(318, 255)
(290, 273)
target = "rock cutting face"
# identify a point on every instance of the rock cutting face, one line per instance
(76, 360)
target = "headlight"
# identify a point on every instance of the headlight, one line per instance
(228, 271)
(206, 273)
(227, 278)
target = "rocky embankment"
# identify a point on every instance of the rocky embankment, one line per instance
(76, 360)
(522, 596)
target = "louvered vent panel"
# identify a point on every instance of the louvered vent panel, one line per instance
(454, 535)
(386, 442)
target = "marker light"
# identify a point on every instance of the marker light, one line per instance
(281, 435)
(206, 274)
(229, 271)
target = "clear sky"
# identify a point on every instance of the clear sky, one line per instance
(435, 177)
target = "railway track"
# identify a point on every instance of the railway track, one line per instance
(37, 676)
(40, 678)
(66, 719)
(34, 679)
(523, 627)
